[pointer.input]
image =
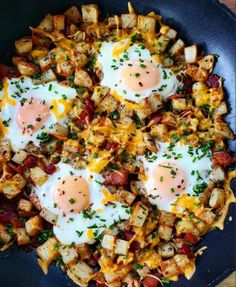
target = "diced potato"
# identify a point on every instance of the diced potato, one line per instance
(10, 191)
(59, 22)
(20, 156)
(108, 104)
(160, 132)
(217, 198)
(145, 111)
(137, 187)
(48, 216)
(79, 36)
(128, 21)
(177, 48)
(73, 14)
(38, 176)
(169, 119)
(65, 68)
(90, 13)
(147, 24)
(207, 216)
(23, 45)
(190, 54)
(184, 226)
(171, 34)
(182, 261)
(81, 60)
(59, 131)
(165, 232)
(197, 73)
(19, 181)
(179, 104)
(125, 112)
(99, 93)
(68, 253)
(114, 21)
(149, 142)
(48, 76)
(223, 130)
(125, 196)
(45, 62)
(143, 272)
(139, 215)
(83, 47)
(34, 225)
(5, 150)
(162, 43)
(21, 236)
(82, 78)
(35, 200)
(207, 62)
(27, 69)
(221, 110)
(166, 250)
(169, 268)
(217, 174)
(152, 239)
(167, 218)
(4, 235)
(108, 241)
(154, 101)
(83, 251)
(47, 23)
(81, 270)
(121, 247)
(25, 205)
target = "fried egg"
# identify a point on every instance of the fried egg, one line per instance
(27, 110)
(84, 207)
(132, 73)
(175, 172)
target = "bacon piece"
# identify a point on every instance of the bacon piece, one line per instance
(186, 249)
(117, 178)
(176, 96)
(190, 237)
(213, 81)
(11, 217)
(111, 146)
(151, 281)
(23, 213)
(134, 246)
(128, 234)
(92, 262)
(30, 161)
(85, 116)
(8, 72)
(156, 117)
(50, 169)
(16, 168)
(223, 158)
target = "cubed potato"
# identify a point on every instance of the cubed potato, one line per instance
(81, 270)
(10, 191)
(200, 225)
(20, 156)
(184, 226)
(217, 174)
(221, 110)
(114, 21)
(139, 215)
(25, 205)
(35, 200)
(199, 74)
(47, 23)
(182, 261)
(23, 45)
(27, 69)
(137, 187)
(179, 104)
(146, 24)
(108, 241)
(45, 62)
(154, 101)
(5, 150)
(128, 21)
(223, 130)
(90, 13)
(21, 236)
(152, 240)
(108, 104)
(125, 111)
(83, 47)
(81, 60)
(149, 142)
(125, 196)
(162, 43)
(169, 268)
(166, 250)
(121, 247)
(83, 251)
(68, 253)
(48, 216)
(18, 180)
(143, 272)
(73, 14)
(4, 235)
(207, 62)
(48, 76)
(207, 216)
(217, 198)
(59, 22)
(190, 54)
(59, 131)
(171, 33)
(177, 48)
(169, 119)
(82, 78)
(34, 225)
(165, 232)
(145, 109)
(65, 68)
(38, 176)
(99, 93)
(160, 132)
(167, 218)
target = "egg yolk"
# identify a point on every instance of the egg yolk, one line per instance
(32, 115)
(71, 194)
(170, 181)
(138, 75)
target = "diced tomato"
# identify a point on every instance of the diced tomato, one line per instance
(190, 237)
(156, 117)
(9, 216)
(111, 146)
(51, 168)
(176, 96)
(150, 281)
(128, 234)
(30, 161)
(8, 72)
(223, 158)
(117, 178)
(213, 81)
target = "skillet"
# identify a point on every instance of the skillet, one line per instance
(204, 22)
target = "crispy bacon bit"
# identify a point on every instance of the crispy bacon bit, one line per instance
(176, 96)
(117, 178)
(152, 280)
(85, 116)
(111, 146)
(92, 262)
(8, 72)
(128, 234)
(190, 237)
(27, 214)
(16, 168)
(156, 117)
(187, 83)
(223, 158)
(30, 162)
(100, 285)
(50, 169)
(11, 217)
(186, 249)
(213, 81)
(134, 246)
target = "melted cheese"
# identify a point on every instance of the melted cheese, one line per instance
(128, 104)
(66, 108)
(6, 99)
(187, 202)
(120, 48)
(108, 197)
(90, 234)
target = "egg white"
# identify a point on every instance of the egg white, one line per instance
(73, 227)
(22, 89)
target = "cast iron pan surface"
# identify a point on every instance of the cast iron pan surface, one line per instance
(204, 22)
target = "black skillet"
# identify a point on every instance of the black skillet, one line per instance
(205, 22)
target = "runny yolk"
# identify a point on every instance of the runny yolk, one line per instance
(138, 75)
(32, 116)
(71, 194)
(170, 181)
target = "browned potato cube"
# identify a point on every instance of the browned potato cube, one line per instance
(21, 236)
(121, 247)
(47, 23)
(48, 216)
(20, 156)
(59, 22)
(38, 176)
(184, 226)
(27, 69)
(73, 14)
(48, 76)
(10, 191)
(167, 218)
(160, 132)
(155, 102)
(182, 261)
(165, 232)
(166, 250)
(217, 174)
(108, 241)
(125, 197)
(177, 48)
(68, 253)
(34, 225)
(162, 43)
(207, 216)
(23, 45)
(90, 13)
(128, 21)
(217, 198)
(147, 24)
(114, 21)
(59, 131)
(99, 93)
(25, 205)
(5, 150)
(190, 54)
(137, 187)
(65, 69)
(81, 270)
(81, 60)
(45, 62)
(169, 268)
(4, 235)
(207, 62)
(109, 104)
(139, 215)
(82, 78)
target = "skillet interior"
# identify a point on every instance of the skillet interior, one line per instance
(203, 22)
